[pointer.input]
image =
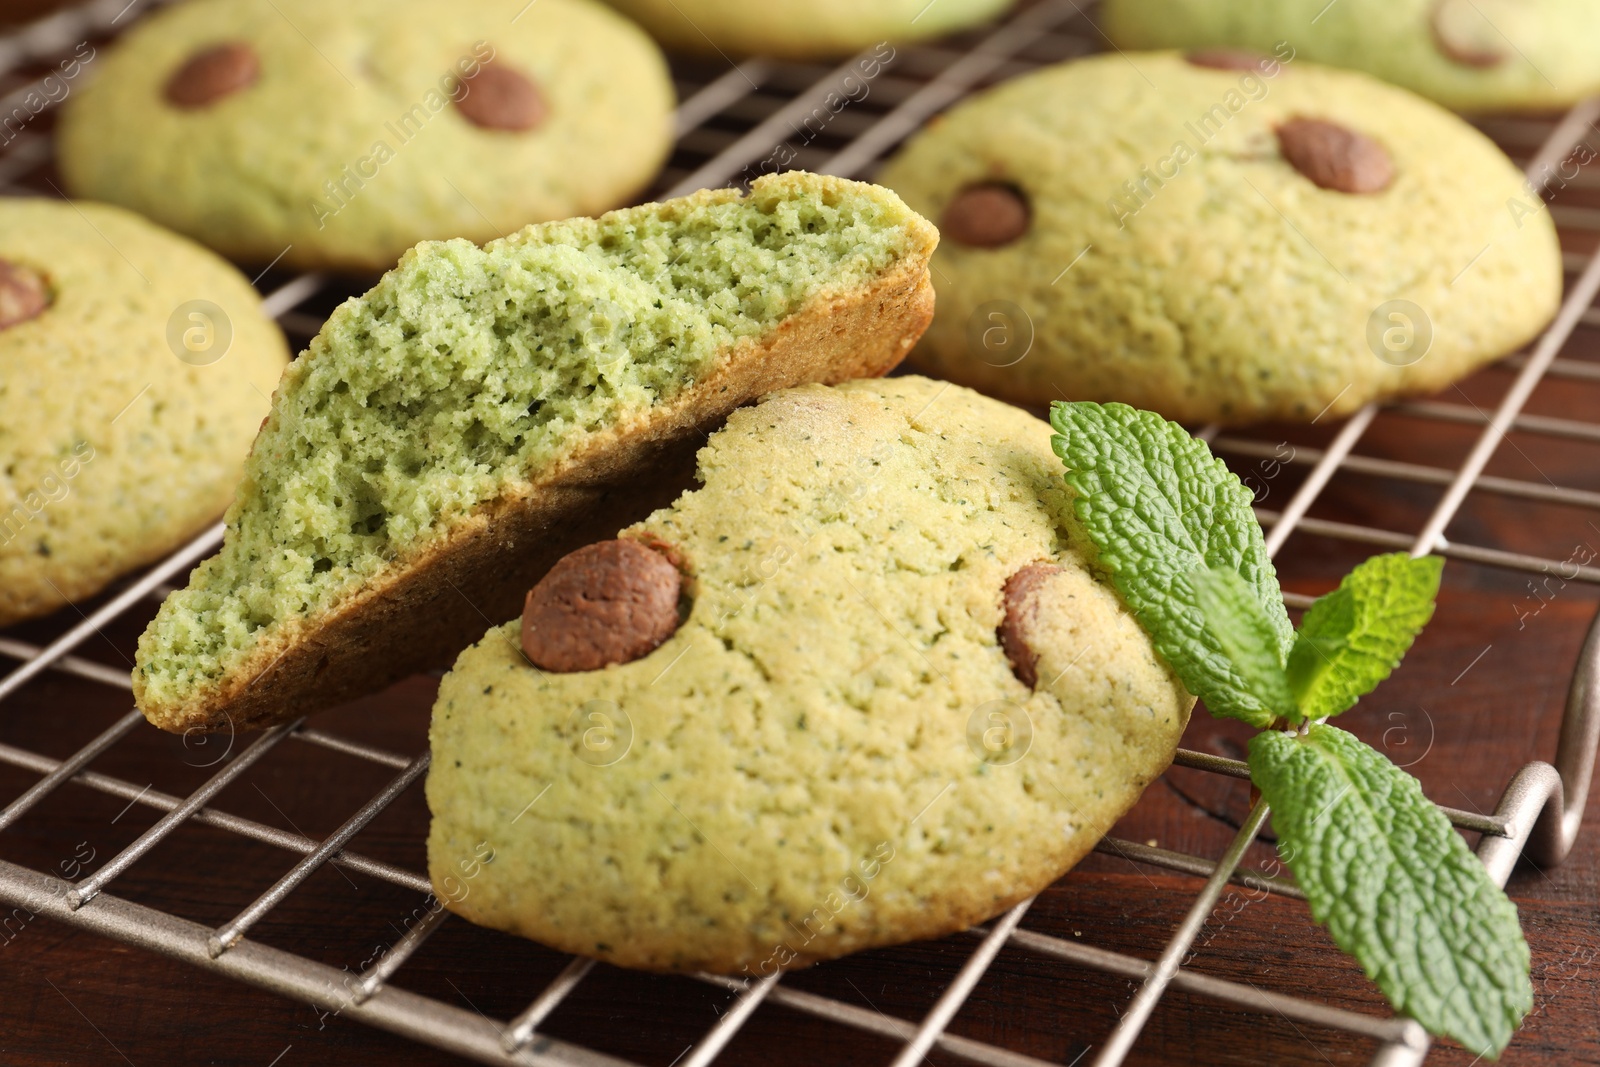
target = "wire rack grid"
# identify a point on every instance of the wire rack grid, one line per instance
(730, 122)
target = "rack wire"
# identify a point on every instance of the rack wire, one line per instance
(729, 120)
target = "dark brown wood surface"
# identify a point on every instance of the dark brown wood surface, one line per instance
(21, 12)
(1480, 695)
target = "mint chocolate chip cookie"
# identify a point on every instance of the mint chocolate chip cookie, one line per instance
(1221, 237)
(861, 686)
(1473, 55)
(802, 29)
(341, 134)
(135, 368)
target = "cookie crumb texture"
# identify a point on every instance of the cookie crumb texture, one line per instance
(832, 752)
(1179, 259)
(408, 120)
(475, 386)
(1472, 55)
(113, 451)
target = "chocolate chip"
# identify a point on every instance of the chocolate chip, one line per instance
(1466, 36)
(1019, 600)
(212, 74)
(1335, 157)
(23, 294)
(606, 603)
(1226, 59)
(499, 97)
(986, 215)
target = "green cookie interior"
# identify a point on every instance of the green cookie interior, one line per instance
(466, 370)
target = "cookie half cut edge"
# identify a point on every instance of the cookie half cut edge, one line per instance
(483, 411)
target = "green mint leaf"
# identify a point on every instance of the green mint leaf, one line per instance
(1235, 618)
(1158, 507)
(1395, 885)
(1353, 638)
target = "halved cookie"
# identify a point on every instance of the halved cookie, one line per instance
(483, 411)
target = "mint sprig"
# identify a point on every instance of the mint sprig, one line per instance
(1383, 869)
(1159, 507)
(1353, 638)
(1395, 884)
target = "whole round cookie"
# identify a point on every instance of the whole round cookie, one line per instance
(341, 134)
(1473, 55)
(1223, 238)
(802, 29)
(135, 368)
(859, 688)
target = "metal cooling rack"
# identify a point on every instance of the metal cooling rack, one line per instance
(732, 117)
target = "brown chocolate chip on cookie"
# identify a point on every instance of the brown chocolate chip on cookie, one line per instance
(1465, 35)
(500, 97)
(606, 603)
(1335, 157)
(212, 74)
(986, 215)
(1019, 601)
(23, 294)
(1225, 59)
